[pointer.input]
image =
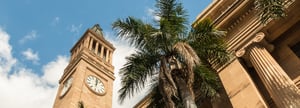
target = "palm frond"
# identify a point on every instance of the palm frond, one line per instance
(209, 82)
(135, 72)
(133, 30)
(209, 42)
(156, 99)
(202, 28)
(172, 17)
(270, 9)
(187, 52)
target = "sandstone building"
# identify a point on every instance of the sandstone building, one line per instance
(89, 76)
(264, 71)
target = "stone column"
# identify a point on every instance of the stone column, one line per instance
(110, 57)
(91, 43)
(96, 48)
(107, 55)
(282, 89)
(86, 42)
(102, 51)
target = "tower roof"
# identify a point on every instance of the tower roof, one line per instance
(97, 26)
(97, 29)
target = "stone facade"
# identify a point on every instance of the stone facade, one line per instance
(264, 71)
(90, 56)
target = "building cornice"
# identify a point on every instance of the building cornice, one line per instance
(94, 35)
(241, 21)
(216, 10)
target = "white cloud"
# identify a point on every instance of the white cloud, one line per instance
(55, 21)
(25, 90)
(31, 56)
(75, 29)
(151, 13)
(54, 70)
(29, 36)
(20, 86)
(123, 49)
(6, 59)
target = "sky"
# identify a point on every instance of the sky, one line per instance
(36, 37)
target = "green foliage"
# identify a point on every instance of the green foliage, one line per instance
(209, 82)
(270, 9)
(167, 47)
(156, 99)
(173, 17)
(135, 72)
(134, 31)
(208, 42)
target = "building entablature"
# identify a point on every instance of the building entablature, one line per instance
(241, 21)
(269, 52)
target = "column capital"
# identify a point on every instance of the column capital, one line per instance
(240, 53)
(258, 39)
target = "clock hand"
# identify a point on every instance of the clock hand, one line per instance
(96, 82)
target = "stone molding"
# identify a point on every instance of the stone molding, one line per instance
(259, 37)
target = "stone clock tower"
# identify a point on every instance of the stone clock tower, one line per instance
(88, 79)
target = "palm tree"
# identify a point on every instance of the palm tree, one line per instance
(270, 9)
(209, 45)
(164, 54)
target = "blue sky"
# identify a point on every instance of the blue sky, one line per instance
(36, 36)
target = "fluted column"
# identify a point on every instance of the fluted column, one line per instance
(86, 42)
(102, 51)
(107, 56)
(282, 89)
(96, 49)
(91, 43)
(110, 57)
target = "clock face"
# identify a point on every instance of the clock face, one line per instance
(66, 86)
(95, 84)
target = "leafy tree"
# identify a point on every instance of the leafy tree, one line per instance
(170, 56)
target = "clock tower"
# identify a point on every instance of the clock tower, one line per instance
(88, 79)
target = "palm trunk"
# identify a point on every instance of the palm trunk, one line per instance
(167, 85)
(186, 93)
(166, 91)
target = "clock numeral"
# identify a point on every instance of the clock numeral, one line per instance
(66, 86)
(89, 79)
(95, 84)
